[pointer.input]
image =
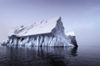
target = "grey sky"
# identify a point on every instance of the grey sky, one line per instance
(80, 16)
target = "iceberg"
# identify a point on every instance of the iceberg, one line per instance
(45, 33)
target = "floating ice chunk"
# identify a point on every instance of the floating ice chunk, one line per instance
(50, 33)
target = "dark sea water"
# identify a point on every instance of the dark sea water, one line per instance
(50, 56)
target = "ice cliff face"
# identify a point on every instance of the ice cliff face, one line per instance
(45, 33)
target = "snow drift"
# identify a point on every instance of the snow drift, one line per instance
(45, 33)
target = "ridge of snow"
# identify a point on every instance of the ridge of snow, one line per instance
(35, 28)
(70, 34)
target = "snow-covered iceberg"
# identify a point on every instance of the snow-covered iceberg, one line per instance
(44, 33)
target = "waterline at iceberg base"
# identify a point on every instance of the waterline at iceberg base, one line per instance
(45, 33)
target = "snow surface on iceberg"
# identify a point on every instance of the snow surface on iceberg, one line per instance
(36, 28)
(45, 33)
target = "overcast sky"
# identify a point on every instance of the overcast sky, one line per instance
(80, 16)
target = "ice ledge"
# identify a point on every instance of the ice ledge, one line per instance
(70, 34)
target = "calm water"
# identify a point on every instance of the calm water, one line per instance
(50, 56)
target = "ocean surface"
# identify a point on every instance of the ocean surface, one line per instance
(50, 56)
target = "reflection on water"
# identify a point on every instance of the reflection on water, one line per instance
(50, 56)
(37, 56)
